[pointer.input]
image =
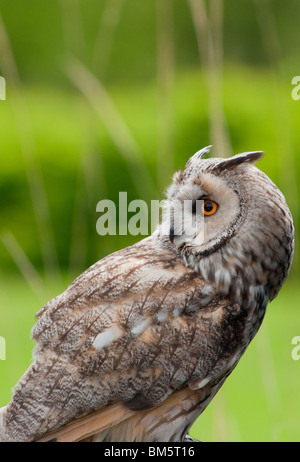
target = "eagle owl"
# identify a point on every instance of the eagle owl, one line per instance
(138, 345)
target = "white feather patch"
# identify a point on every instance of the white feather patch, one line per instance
(107, 336)
(139, 328)
(198, 384)
(162, 315)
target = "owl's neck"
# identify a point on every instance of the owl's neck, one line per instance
(228, 274)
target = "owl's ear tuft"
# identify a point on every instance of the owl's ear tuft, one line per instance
(178, 176)
(197, 156)
(200, 154)
(238, 159)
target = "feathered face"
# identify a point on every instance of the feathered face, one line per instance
(230, 222)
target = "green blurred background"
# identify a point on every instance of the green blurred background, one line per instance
(105, 96)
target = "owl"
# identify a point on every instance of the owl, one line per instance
(138, 345)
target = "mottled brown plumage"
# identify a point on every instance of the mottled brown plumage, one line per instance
(138, 345)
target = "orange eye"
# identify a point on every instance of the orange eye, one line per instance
(209, 207)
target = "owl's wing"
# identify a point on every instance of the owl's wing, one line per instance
(133, 329)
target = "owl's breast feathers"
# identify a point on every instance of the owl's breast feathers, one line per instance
(127, 337)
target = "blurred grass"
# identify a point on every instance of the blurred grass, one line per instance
(72, 127)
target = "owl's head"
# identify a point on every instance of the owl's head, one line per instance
(229, 222)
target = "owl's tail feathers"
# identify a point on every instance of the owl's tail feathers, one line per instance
(169, 421)
(37, 403)
(86, 427)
